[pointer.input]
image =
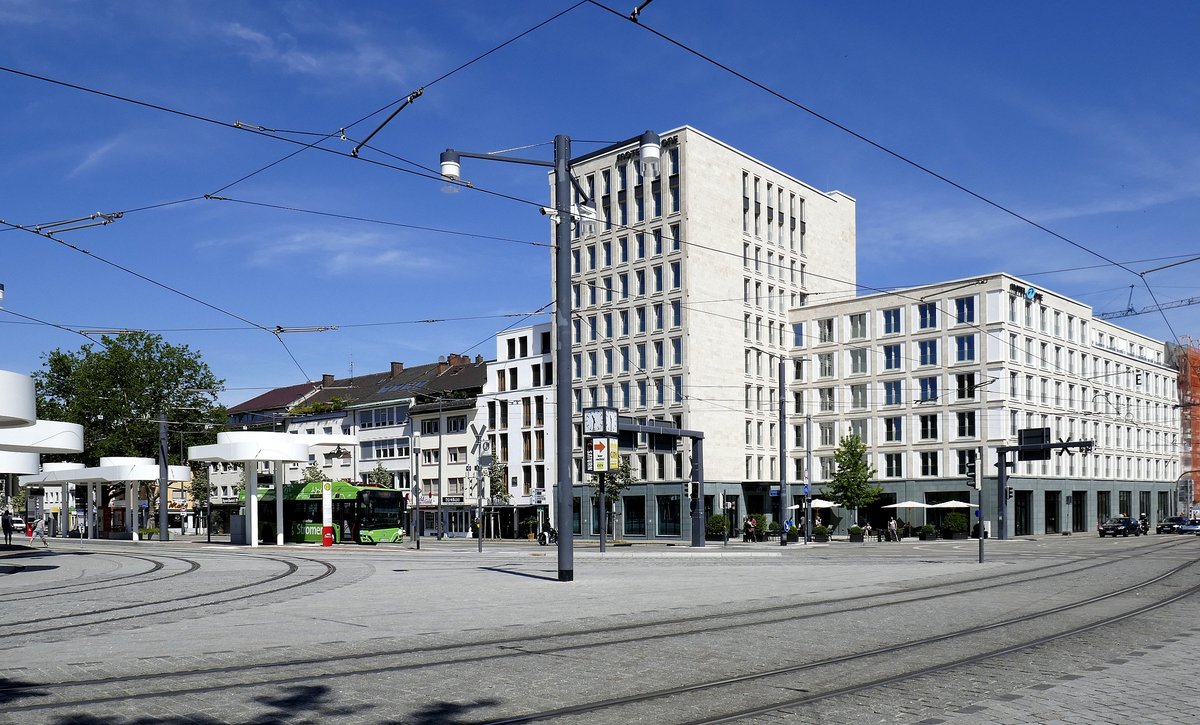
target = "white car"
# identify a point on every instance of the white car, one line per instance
(18, 525)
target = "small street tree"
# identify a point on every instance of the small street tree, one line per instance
(379, 476)
(497, 476)
(851, 485)
(615, 481)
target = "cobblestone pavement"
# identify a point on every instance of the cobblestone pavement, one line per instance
(188, 632)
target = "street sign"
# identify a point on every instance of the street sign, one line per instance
(598, 448)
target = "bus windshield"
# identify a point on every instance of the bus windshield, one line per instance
(380, 509)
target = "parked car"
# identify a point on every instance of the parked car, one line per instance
(1120, 525)
(1191, 526)
(18, 525)
(1170, 525)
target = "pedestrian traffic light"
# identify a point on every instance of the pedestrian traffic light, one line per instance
(1008, 492)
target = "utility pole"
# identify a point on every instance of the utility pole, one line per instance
(162, 477)
(808, 468)
(783, 453)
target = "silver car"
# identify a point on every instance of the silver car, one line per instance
(1191, 526)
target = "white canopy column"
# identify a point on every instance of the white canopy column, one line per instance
(279, 503)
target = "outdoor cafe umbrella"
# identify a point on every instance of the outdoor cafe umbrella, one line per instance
(817, 503)
(954, 505)
(908, 505)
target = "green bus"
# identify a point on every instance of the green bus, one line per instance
(362, 513)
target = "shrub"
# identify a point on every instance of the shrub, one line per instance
(954, 523)
(760, 523)
(856, 529)
(821, 530)
(716, 525)
(926, 530)
(529, 525)
(774, 527)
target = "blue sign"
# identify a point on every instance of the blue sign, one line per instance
(774, 492)
(807, 490)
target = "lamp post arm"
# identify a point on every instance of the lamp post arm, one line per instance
(498, 157)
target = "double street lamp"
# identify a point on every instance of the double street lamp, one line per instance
(451, 169)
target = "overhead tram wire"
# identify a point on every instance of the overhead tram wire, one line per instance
(240, 126)
(368, 220)
(890, 152)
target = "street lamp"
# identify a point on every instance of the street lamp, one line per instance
(649, 152)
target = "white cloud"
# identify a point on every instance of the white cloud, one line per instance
(350, 53)
(94, 157)
(329, 252)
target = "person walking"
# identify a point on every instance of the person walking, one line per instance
(893, 533)
(39, 531)
(8, 527)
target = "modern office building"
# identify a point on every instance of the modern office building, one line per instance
(680, 300)
(928, 376)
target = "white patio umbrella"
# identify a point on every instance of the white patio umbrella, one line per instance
(817, 503)
(909, 505)
(954, 505)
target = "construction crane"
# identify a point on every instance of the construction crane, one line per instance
(1129, 311)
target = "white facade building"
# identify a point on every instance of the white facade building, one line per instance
(680, 301)
(926, 376)
(517, 405)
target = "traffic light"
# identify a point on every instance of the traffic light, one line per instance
(1008, 492)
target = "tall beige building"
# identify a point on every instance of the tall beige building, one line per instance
(680, 299)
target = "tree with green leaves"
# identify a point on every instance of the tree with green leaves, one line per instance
(199, 488)
(851, 485)
(497, 476)
(312, 473)
(118, 390)
(615, 482)
(379, 476)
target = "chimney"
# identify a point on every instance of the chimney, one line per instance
(443, 366)
(326, 380)
(397, 368)
(479, 359)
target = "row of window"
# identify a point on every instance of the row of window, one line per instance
(774, 221)
(927, 389)
(890, 320)
(592, 257)
(597, 291)
(626, 395)
(638, 320)
(926, 464)
(654, 355)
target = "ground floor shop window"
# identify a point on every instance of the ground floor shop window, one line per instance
(635, 515)
(576, 525)
(668, 516)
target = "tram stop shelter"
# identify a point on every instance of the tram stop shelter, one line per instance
(24, 438)
(250, 448)
(132, 472)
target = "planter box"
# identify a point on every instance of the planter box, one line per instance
(856, 538)
(793, 536)
(821, 538)
(927, 537)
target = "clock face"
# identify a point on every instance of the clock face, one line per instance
(600, 420)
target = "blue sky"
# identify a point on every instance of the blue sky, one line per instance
(1078, 115)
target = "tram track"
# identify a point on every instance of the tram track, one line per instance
(107, 615)
(252, 674)
(864, 657)
(101, 583)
